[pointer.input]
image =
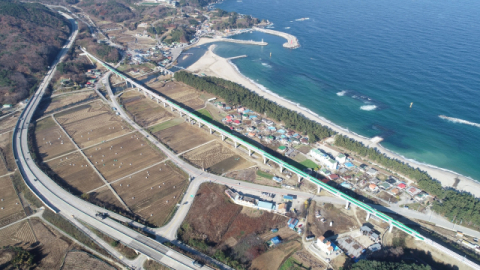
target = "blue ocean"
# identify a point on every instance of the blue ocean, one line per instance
(362, 63)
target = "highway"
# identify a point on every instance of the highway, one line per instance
(71, 207)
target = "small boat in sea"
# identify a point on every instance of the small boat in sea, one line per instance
(302, 19)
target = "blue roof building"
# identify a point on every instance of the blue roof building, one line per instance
(275, 240)
(287, 198)
(265, 206)
(292, 222)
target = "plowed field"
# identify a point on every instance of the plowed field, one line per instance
(51, 140)
(123, 156)
(154, 192)
(75, 170)
(91, 124)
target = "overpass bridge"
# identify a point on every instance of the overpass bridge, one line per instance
(283, 165)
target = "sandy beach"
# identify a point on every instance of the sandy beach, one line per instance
(214, 65)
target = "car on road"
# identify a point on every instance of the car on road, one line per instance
(197, 263)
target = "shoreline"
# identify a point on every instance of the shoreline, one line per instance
(217, 66)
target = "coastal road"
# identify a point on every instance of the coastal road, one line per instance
(76, 210)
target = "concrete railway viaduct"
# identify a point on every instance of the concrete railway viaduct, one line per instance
(282, 164)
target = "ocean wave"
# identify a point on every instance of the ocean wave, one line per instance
(341, 93)
(368, 107)
(298, 105)
(413, 161)
(460, 121)
(346, 130)
(266, 65)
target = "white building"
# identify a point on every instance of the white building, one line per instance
(324, 159)
(341, 158)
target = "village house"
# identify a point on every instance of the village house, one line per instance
(324, 245)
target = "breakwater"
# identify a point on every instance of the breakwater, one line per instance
(252, 42)
(292, 41)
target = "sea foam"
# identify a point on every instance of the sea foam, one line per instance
(341, 93)
(368, 107)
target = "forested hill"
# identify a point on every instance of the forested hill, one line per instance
(31, 35)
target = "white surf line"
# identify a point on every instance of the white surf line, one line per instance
(179, 154)
(92, 166)
(88, 147)
(139, 171)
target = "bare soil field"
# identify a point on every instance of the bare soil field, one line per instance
(272, 259)
(8, 123)
(104, 194)
(153, 193)
(53, 245)
(123, 156)
(7, 161)
(182, 93)
(53, 104)
(341, 222)
(51, 140)
(214, 218)
(81, 260)
(17, 234)
(308, 261)
(245, 175)
(145, 111)
(153, 265)
(387, 197)
(217, 158)
(11, 209)
(183, 137)
(250, 175)
(75, 170)
(91, 124)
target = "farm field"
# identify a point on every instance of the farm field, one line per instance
(19, 234)
(215, 218)
(82, 260)
(302, 259)
(145, 111)
(183, 137)
(106, 196)
(51, 140)
(272, 259)
(7, 161)
(182, 93)
(53, 246)
(8, 123)
(11, 209)
(53, 104)
(75, 171)
(91, 124)
(154, 192)
(217, 158)
(123, 156)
